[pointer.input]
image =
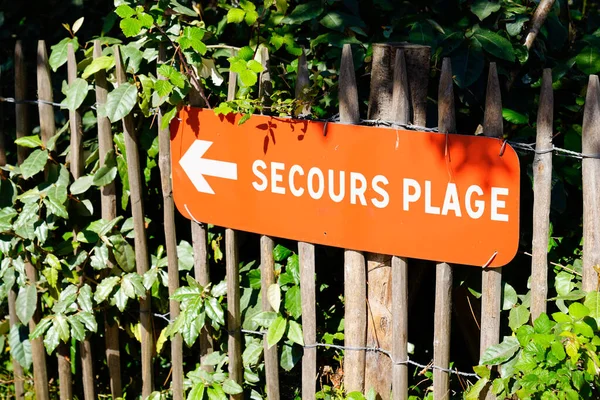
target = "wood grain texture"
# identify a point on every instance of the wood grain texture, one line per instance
(21, 110)
(491, 283)
(108, 207)
(65, 379)
(44, 89)
(267, 278)
(234, 318)
(591, 185)
(302, 82)
(542, 187)
(417, 58)
(399, 328)
(139, 226)
(306, 255)
(265, 85)
(76, 167)
(201, 266)
(355, 276)
(401, 114)
(164, 165)
(443, 272)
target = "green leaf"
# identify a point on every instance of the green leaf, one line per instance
(58, 56)
(355, 396)
(248, 78)
(231, 387)
(558, 350)
(484, 8)
(578, 310)
(105, 288)
(124, 11)
(255, 66)
(62, 327)
(41, 328)
(543, 324)
(192, 37)
(304, 12)
(295, 333)
(34, 163)
(131, 26)
(121, 101)
(197, 392)
(293, 302)
(475, 390)
(287, 359)
(494, 44)
(235, 15)
(274, 296)
(105, 175)
(214, 311)
(77, 25)
(26, 303)
(265, 318)
(276, 331)
(280, 253)
(6, 216)
(563, 282)
(588, 60)
(482, 371)
(77, 329)
(509, 298)
(168, 117)
(52, 339)
(501, 352)
(592, 302)
(163, 88)
(98, 64)
(467, 63)
(20, 347)
(56, 208)
(252, 352)
(31, 142)
(76, 93)
(174, 76)
(338, 21)
(517, 317)
(82, 184)
(514, 117)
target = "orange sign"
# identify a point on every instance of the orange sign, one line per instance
(449, 198)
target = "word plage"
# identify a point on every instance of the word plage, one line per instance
(452, 198)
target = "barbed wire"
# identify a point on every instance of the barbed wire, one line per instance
(520, 146)
(408, 361)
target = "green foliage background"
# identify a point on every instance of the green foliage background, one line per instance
(38, 215)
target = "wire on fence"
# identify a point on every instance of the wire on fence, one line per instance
(527, 147)
(339, 347)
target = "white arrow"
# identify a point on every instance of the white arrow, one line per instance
(197, 167)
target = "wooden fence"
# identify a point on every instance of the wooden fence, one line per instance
(375, 286)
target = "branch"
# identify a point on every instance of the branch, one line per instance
(539, 17)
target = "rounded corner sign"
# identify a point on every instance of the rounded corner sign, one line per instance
(451, 198)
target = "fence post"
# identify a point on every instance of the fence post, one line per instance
(542, 187)
(443, 271)
(77, 167)
(108, 204)
(13, 320)
(234, 318)
(591, 185)
(201, 266)
(355, 274)
(379, 275)
(306, 255)
(267, 262)
(401, 115)
(141, 249)
(164, 164)
(491, 284)
(48, 129)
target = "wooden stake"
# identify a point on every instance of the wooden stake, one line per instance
(267, 278)
(201, 266)
(141, 249)
(108, 204)
(234, 318)
(591, 185)
(164, 164)
(355, 285)
(267, 262)
(21, 110)
(542, 187)
(48, 129)
(401, 114)
(443, 275)
(306, 255)
(491, 284)
(302, 82)
(77, 168)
